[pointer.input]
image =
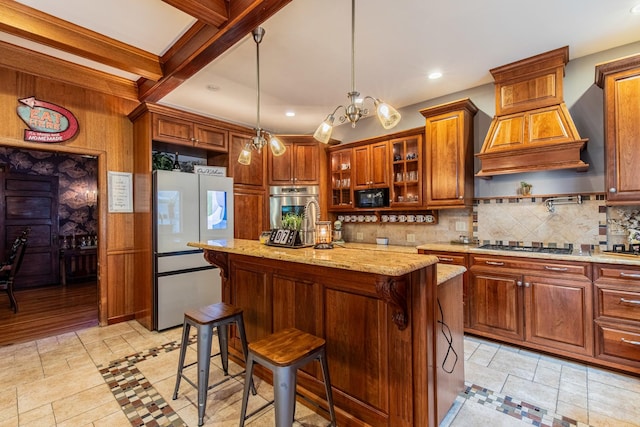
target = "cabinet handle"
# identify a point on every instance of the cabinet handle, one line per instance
(633, 275)
(613, 190)
(441, 258)
(460, 197)
(546, 267)
(519, 283)
(527, 284)
(630, 341)
(630, 301)
(494, 263)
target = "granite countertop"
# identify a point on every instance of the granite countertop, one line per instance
(598, 257)
(396, 261)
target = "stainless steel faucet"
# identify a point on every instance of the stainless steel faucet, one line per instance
(310, 231)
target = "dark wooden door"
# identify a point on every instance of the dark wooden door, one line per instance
(31, 200)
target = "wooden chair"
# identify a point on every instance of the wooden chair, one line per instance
(10, 271)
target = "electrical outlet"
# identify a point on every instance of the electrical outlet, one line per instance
(411, 238)
(461, 226)
(359, 236)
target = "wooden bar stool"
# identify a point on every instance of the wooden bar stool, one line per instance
(284, 352)
(205, 319)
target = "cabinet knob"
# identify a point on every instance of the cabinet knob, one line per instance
(460, 197)
(519, 283)
(527, 284)
(613, 190)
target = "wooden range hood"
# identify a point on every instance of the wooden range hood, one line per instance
(532, 129)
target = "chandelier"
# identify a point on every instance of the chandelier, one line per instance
(260, 139)
(388, 116)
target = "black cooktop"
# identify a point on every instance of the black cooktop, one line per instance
(633, 249)
(535, 249)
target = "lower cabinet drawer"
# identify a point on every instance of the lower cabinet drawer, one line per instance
(619, 304)
(614, 343)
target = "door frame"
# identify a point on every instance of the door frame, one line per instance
(101, 207)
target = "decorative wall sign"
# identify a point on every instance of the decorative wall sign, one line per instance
(47, 122)
(220, 171)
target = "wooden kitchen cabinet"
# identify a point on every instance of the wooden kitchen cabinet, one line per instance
(371, 166)
(620, 81)
(299, 165)
(455, 258)
(253, 174)
(617, 315)
(184, 131)
(340, 179)
(448, 179)
(406, 166)
(543, 304)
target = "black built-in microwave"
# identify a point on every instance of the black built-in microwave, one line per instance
(372, 198)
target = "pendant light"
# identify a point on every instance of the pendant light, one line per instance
(388, 116)
(260, 140)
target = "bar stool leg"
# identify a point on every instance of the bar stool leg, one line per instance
(223, 339)
(245, 351)
(284, 388)
(204, 354)
(183, 351)
(247, 386)
(327, 386)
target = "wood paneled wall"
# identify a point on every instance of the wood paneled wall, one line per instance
(105, 132)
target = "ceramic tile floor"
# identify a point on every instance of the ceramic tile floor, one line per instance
(123, 375)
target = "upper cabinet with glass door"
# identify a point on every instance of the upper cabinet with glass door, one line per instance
(406, 164)
(340, 179)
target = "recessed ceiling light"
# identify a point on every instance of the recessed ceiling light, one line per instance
(213, 88)
(290, 114)
(435, 75)
(635, 9)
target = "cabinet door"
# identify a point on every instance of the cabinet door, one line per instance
(379, 164)
(449, 154)
(406, 166)
(559, 313)
(251, 290)
(172, 130)
(371, 166)
(211, 138)
(340, 179)
(251, 217)
(622, 119)
(252, 174)
(281, 167)
(497, 304)
(306, 163)
(361, 167)
(454, 258)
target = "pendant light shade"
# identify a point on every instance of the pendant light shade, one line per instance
(388, 116)
(260, 140)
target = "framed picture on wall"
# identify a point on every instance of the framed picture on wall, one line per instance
(120, 192)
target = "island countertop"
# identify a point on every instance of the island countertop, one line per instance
(378, 260)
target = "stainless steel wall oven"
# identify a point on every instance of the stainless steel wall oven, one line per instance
(285, 199)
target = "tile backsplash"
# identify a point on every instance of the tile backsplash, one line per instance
(528, 221)
(525, 221)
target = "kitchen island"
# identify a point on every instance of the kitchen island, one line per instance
(377, 309)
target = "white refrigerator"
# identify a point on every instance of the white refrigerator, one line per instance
(187, 207)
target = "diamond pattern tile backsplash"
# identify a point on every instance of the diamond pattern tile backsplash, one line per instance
(527, 221)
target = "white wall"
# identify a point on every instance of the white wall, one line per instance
(584, 100)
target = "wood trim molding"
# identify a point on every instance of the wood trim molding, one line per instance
(31, 24)
(201, 46)
(41, 65)
(211, 12)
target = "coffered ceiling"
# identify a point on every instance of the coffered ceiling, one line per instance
(157, 50)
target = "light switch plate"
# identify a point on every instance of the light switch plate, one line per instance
(411, 238)
(359, 236)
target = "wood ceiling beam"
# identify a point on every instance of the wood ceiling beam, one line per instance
(204, 43)
(41, 65)
(39, 27)
(211, 12)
